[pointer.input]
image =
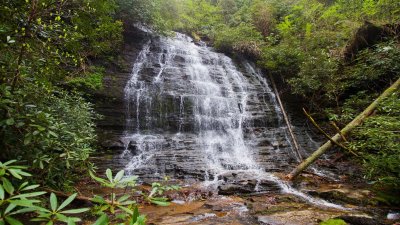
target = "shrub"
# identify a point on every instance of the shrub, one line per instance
(51, 129)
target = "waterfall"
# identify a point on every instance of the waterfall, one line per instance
(192, 113)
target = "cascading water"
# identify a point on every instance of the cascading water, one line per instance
(192, 113)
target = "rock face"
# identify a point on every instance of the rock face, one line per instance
(109, 101)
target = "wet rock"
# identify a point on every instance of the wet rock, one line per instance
(231, 189)
(113, 144)
(345, 195)
(360, 220)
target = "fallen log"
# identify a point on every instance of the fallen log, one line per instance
(346, 130)
(286, 118)
(327, 135)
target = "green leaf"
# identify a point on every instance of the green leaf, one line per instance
(160, 203)
(61, 217)
(1, 192)
(135, 215)
(10, 121)
(9, 208)
(50, 223)
(28, 139)
(53, 202)
(30, 187)
(98, 199)
(28, 195)
(98, 179)
(102, 220)
(24, 202)
(70, 221)
(75, 211)
(8, 186)
(23, 173)
(141, 220)
(130, 212)
(67, 201)
(119, 176)
(22, 211)
(15, 172)
(123, 198)
(13, 221)
(109, 175)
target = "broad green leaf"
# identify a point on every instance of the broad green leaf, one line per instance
(30, 187)
(23, 185)
(102, 220)
(130, 212)
(28, 139)
(8, 186)
(53, 202)
(123, 198)
(160, 203)
(9, 162)
(15, 173)
(50, 223)
(70, 221)
(98, 199)
(22, 211)
(129, 179)
(61, 217)
(23, 173)
(24, 202)
(28, 195)
(119, 176)
(1, 192)
(13, 221)
(141, 220)
(10, 121)
(129, 202)
(98, 179)
(135, 215)
(75, 211)
(109, 175)
(9, 208)
(67, 201)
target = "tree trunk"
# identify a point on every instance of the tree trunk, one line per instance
(288, 124)
(346, 130)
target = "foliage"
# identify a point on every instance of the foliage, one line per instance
(93, 80)
(20, 200)
(15, 200)
(49, 128)
(378, 142)
(45, 45)
(56, 212)
(333, 222)
(123, 208)
(242, 39)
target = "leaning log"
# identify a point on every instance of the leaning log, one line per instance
(346, 130)
(286, 118)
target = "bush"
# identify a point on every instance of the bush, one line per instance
(244, 39)
(48, 128)
(378, 141)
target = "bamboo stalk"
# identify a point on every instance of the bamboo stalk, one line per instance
(346, 130)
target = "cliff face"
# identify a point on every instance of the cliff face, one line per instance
(109, 101)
